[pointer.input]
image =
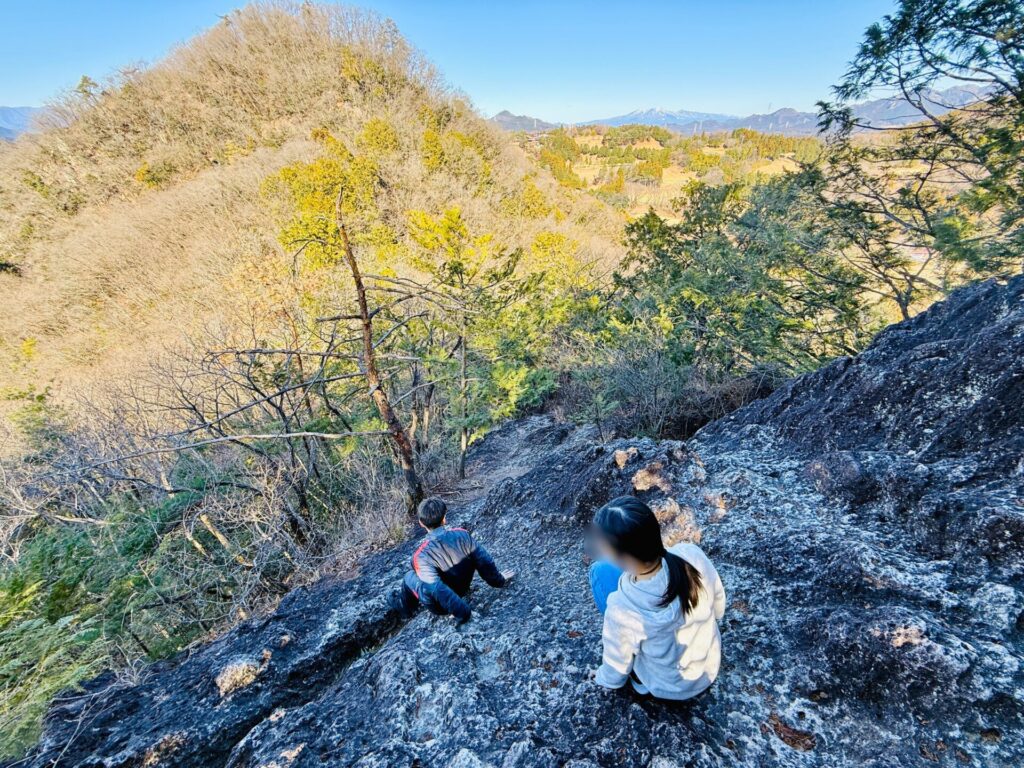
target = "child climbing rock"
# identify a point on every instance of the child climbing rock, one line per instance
(443, 566)
(661, 606)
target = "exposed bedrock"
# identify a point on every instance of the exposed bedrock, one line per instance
(868, 523)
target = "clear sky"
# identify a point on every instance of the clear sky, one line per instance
(556, 60)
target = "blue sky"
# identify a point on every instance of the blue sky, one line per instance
(555, 60)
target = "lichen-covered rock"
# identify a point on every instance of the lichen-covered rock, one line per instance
(868, 523)
(946, 385)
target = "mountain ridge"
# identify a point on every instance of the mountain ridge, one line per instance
(882, 112)
(16, 120)
(663, 117)
(511, 122)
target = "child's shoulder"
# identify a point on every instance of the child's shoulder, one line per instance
(694, 555)
(457, 534)
(687, 549)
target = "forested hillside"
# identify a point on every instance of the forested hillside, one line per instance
(262, 296)
(146, 212)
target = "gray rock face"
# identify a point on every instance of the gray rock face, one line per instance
(868, 523)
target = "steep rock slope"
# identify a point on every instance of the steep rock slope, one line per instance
(868, 522)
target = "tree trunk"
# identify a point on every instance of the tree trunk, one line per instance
(463, 394)
(428, 399)
(903, 300)
(403, 446)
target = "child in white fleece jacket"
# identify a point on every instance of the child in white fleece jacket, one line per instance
(661, 607)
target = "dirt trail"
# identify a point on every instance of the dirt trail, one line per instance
(506, 453)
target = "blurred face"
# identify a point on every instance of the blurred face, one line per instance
(598, 547)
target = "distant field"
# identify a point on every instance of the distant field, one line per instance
(639, 167)
(589, 139)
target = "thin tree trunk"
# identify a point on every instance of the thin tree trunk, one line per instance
(414, 410)
(414, 489)
(464, 405)
(428, 399)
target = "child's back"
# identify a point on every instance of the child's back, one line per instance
(443, 566)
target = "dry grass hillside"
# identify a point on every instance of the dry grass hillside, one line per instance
(261, 297)
(156, 230)
(137, 218)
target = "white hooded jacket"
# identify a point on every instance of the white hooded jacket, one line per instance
(674, 656)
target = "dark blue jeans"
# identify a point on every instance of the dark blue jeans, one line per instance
(604, 579)
(411, 590)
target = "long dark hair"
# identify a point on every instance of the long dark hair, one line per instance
(630, 527)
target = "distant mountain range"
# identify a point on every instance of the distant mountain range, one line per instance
(15, 120)
(792, 122)
(511, 122)
(664, 117)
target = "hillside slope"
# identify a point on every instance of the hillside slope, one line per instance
(139, 219)
(867, 521)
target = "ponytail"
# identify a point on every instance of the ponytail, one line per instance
(684, 583)
(630, 527)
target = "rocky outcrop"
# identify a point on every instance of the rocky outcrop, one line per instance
(868, 523)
